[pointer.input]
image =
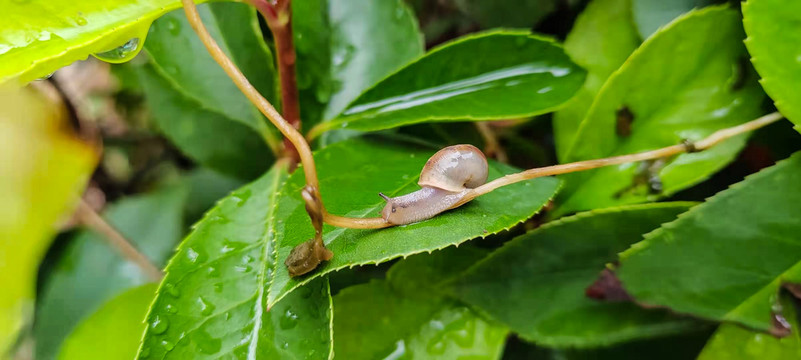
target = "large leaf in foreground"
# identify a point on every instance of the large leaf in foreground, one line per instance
(601, 40)
(726, 258)
(732, 342)
(774, 41)
(42, 173)
(112, 331)
(535, 284)
(673, 87)
(468, 79)
(38, 37)
(406, 317)
(206, 116)
(90, 271)
(211, 302)
(352, 174)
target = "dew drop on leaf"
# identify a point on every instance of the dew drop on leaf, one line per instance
(159, 325)
(206, 308)
(289, 320)
(167, 345)
(121, 53)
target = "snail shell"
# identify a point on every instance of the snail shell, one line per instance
(447, 176)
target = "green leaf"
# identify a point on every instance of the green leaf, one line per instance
(112, 331)
(90, 271)
(650, 15)
(192, 110)
(731, 342)
(451, 82)
(344, 47)
(205, 188)
(352, 173)
(535, 284)
(397, 319)
(515, 13)
(37, 38)
(674, 87)
(775, 46)
(212, 300)
(42, 173)
(601, 40)
(726, 258)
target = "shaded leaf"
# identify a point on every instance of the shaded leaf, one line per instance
(535, 284)
(395, 319)
(674, 87)
(352, 173)
(43, 171)
(37, 38)
(211, 302)
(732, 342)
(650, 15)
(90, 271)
(207, 116)
(775, 46)
(451, 83)
(112, 331)
(601, 40)
(726, 258)
(515, 13)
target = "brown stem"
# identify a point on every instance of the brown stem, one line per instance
(492, 147)
(94, 221)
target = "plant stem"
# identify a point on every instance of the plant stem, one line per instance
(264, 106)
(94, 221)
(492, 146)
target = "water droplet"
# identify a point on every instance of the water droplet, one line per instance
(192, 255)
(79, 19)
(213, 271)
(173, 26)
(285, 345)
(247, 259)
(167, 345)
(121, 53)
(159, 325)
(218, 287)
(172, 290)
(206, 308)
(243, 269)
(288, 320)
(171, 309)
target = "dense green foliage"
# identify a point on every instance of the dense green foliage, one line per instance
(692, 255)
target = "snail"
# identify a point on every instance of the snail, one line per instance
(446, 177)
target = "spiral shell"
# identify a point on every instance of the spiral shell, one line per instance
(455, 168)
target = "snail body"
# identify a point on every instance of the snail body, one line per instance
(447, 176)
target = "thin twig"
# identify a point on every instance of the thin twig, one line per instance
(94, 221)
(492, 147)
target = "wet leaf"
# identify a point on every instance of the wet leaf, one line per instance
(212, 301)
(352, 173)
(726, 258)
(43, 171)
(732, 342)
(112, 331)
(89, 271)
(674, 87)
(195, 111)
(37, 38)
(601, 40)
(775, 46)
(451, 83)
(536, 283)
(650, 15)
(405, 317)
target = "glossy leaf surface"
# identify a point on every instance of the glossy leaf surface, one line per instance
(90, 271)
(726, 258)
(39, 37)
(406, 317)
(535, 284)
(774, 42)
(111, 332)
(452, 82)
(43, 171)
(673, 87)
(732, 342)
(650, 15)
(602, 38)
(212, 301)
(352, 173)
